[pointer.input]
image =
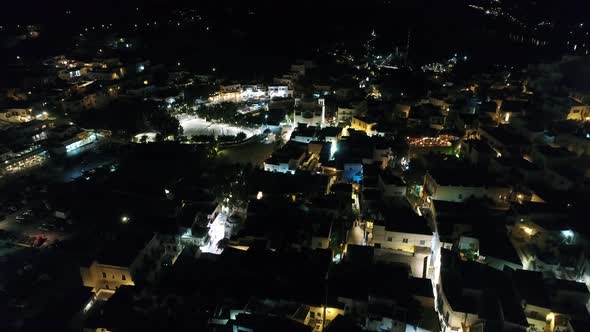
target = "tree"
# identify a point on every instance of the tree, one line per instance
(127, 117)
(241, 136)
(123, 117)
(164, 123)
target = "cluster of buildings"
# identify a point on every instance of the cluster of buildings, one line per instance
(286, 263)
(497, 202)
(31, 145)
(36, 111)
(459, 208)
(281, 87)
(237, 93)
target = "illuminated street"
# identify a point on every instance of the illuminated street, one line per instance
(196, 126)
(216, 233)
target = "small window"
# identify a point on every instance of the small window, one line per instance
(422, 242)
(113, 276)
(319, 315)
(312, 314)
(389, 239)
(405, 240)
(104, 274)
(123, 277)
(460, 196)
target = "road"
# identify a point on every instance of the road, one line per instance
(216, 233)
(76, 171)
(356, 236)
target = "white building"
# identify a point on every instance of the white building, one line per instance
(279, 91)
(73, 73)
(85, 138)
(287, 159)
(392, 186)
(345, 114)
(460, 186)
(16, 115)
(405, 233)
(253, 92)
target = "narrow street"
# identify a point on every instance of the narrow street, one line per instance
(216, 233)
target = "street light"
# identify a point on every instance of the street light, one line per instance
(527, 230)
(124, 219)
